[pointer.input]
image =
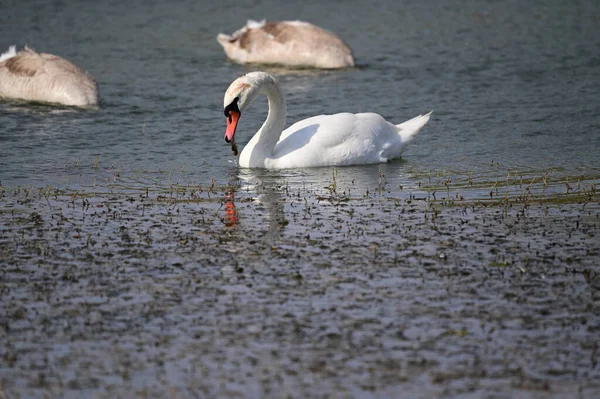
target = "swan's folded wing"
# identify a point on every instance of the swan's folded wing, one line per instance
(322, 131)
(55, 66)
(336, 136)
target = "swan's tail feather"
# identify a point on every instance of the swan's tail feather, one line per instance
(12, 51)
(409, 129)
(252, 24)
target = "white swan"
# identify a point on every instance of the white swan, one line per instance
(340, 139)
(28, 75)
(291, 43)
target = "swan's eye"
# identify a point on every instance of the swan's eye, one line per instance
(232, 107)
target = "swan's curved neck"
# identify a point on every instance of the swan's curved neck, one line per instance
(262, 144)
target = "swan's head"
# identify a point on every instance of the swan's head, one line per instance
(237, 98)
(240, 95)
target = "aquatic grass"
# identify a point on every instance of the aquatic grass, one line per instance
(170, 249)
(525, 200)
(512, 185)
(518, 194)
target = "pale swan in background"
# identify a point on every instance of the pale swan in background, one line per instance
(31, 76)
(339, 139)
(291, 43)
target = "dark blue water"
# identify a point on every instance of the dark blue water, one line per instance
(96, 300)
(513, 83)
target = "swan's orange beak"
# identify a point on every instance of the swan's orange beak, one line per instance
(232, 121)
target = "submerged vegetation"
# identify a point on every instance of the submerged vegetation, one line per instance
(267, 284)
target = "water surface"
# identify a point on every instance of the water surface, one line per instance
(508, 82)
(138, 260)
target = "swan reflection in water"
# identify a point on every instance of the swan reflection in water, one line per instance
(268, 196)
(231, 214)
(271, 191)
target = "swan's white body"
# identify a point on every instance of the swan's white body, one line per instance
(31, 76)
(291, 43)
(324, 140)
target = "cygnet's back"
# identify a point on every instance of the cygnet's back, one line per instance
(32, 76)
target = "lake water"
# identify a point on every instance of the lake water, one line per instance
(510, 83)
(137, 259)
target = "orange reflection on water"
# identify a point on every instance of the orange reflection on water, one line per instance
(231, 215)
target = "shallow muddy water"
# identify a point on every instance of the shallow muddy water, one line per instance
(138, 260)
(233, 291)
